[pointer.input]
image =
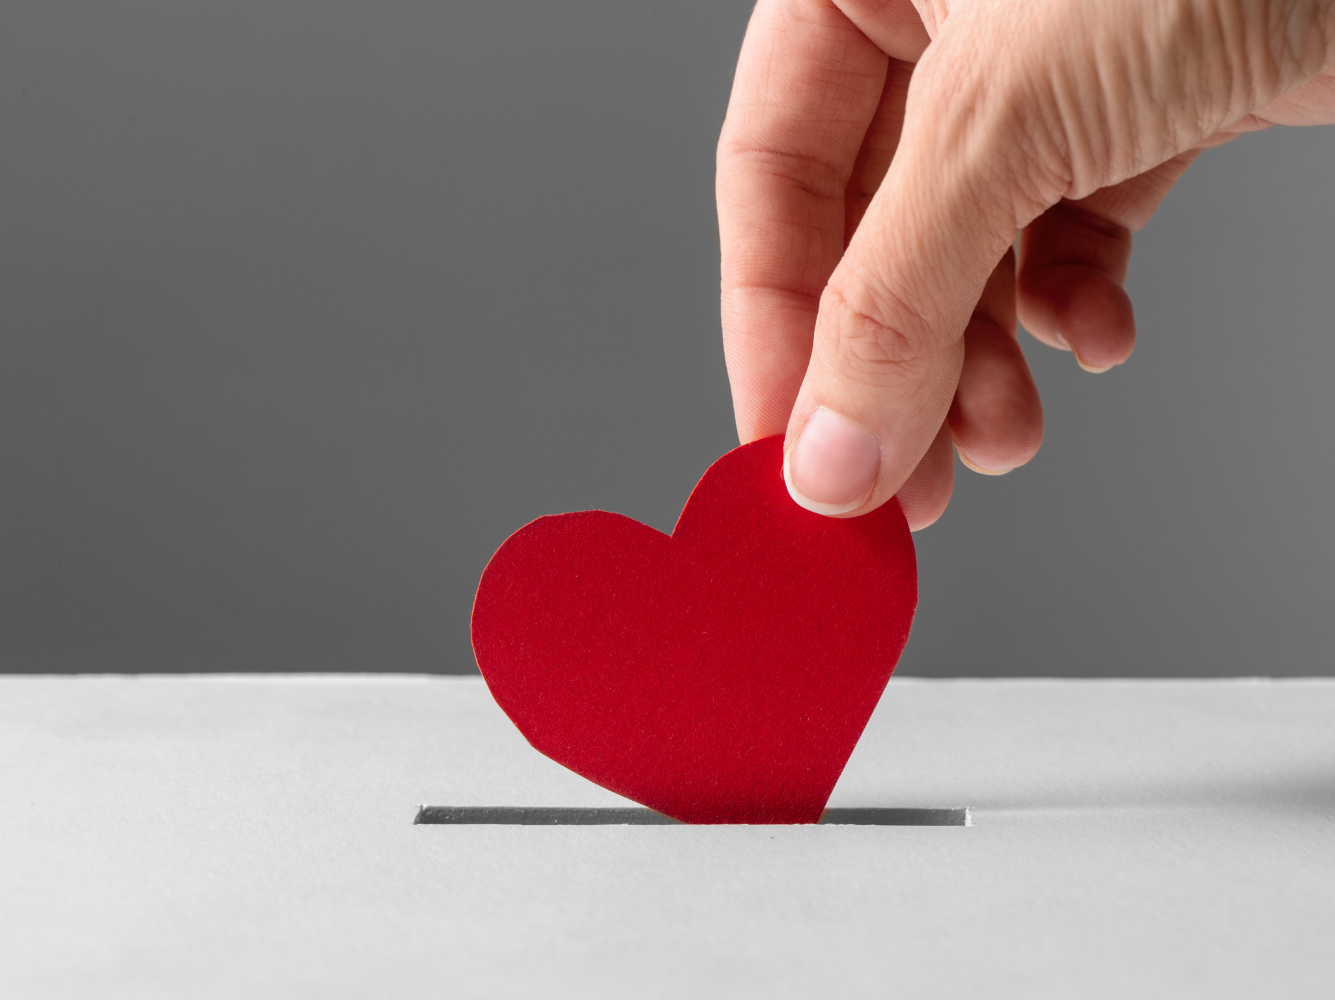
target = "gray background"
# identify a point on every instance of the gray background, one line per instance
(305, 306)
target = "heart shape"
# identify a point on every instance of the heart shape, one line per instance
(722, 674)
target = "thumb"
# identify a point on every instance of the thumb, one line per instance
(889, 338)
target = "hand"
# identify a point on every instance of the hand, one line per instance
(875, 166)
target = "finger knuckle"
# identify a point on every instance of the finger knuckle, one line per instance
(872, 351)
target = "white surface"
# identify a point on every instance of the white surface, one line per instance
(252, 837)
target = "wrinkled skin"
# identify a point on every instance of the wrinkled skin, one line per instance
(879, 158)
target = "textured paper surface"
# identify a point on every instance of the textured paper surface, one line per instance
(721, 674)
(253, 837)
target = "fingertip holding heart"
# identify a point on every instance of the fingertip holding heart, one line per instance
(720, 674)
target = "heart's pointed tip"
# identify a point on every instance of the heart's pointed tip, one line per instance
(732, 814)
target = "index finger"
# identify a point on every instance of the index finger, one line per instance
(807, 88)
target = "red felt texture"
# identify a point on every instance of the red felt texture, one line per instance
(722, 674)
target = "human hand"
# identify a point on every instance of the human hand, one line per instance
(877, 161)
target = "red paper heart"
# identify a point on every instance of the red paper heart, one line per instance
(721, 674)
